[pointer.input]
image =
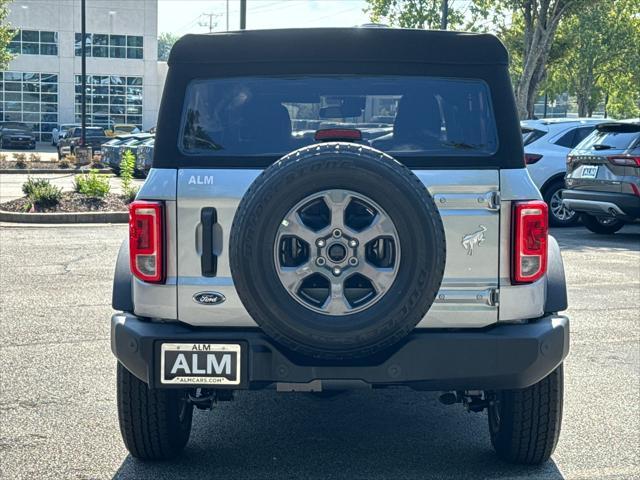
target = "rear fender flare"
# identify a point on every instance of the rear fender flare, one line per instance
(122, 298)
(556, 284)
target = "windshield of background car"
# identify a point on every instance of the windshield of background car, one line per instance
(606, 138)
(414, 116)
(15, 126)
(90, 132)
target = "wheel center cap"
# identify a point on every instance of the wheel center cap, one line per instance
(337, 252)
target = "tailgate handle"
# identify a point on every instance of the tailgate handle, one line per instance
(208, 260)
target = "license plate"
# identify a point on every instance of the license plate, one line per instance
(200, 363)
(589, 171)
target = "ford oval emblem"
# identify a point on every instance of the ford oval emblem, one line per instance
(209, 298)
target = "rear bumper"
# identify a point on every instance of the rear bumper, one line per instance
(500, 357)
(607, 204)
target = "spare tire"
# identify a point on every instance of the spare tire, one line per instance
(337, 251)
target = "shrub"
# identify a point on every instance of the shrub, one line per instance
(92, 184)
(127, 167)
(34, 157)
(32, 184)
(41, 192)
(71, 158)
(3, 157)
(21, 160)
(64, 163)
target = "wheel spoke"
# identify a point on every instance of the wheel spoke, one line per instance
(381, 226)
(380, 278)
(336, 303)
(337, 201)
(292, 225)
(292, 277)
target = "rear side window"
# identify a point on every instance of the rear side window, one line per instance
(573, 137)
(617, 138)
(247, 116)
(530, 135)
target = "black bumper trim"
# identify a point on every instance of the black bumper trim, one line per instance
(504, 356)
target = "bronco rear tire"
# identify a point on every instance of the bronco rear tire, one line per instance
(337, 251)
(155, 424)
(525, 424)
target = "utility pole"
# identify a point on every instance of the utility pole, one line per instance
(210, 23)
(243, 14)
(83, 111)
(445, 14)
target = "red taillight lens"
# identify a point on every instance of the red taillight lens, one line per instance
(146, 241)
(624, 160)
(335, 134)
(530, 231)
(531, 158)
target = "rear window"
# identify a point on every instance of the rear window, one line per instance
(611, 137)
(247, 116)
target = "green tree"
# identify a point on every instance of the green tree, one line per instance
(413, 13)
(6, 34)
(165, 42)
(603, 60)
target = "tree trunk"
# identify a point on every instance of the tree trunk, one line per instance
(583, 104)
(540, 28)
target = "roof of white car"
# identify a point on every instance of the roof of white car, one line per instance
(563, 121)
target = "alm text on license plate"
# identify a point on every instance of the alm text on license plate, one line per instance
(200, 363)
(589, 171)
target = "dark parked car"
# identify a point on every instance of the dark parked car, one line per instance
(16, 134)
(603, 177)
(95, 137)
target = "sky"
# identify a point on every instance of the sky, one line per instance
(186, 16)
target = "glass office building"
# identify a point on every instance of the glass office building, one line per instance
(42, 86)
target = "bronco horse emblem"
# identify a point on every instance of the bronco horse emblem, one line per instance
(470, 240)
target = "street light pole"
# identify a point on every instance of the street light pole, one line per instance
(243, 14)
(83, 111)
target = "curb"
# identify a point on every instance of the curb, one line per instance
(27, 171)
(79, 217)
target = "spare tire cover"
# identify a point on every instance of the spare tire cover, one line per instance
(337, 251)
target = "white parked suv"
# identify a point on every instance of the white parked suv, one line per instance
(546, 145)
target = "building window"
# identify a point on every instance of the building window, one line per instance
(111, 99)
(34, 42)
(110, 46)
(31, 98)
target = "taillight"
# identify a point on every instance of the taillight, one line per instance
(146, 240)
(624, 160)
(530, 231)
(531, 158)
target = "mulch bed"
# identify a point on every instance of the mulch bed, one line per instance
(71, 202)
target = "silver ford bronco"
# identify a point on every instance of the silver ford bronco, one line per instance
(331, 209)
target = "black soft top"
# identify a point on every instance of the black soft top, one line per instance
(340, 51)
(340, 45)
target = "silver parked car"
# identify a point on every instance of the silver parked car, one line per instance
(416, 256)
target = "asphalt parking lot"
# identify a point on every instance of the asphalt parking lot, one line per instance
(57, 385)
